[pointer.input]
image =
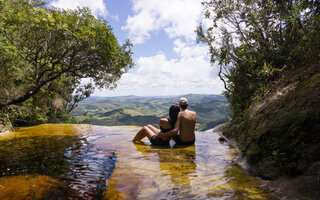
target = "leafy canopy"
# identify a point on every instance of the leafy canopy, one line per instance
(41, 46)
(254, 41)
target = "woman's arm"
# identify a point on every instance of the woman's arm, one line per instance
(173, 132)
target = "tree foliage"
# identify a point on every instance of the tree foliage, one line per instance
(254, 41)
(45, 52)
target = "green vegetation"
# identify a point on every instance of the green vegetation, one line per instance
(268, 53)
(132, 110)
(44, 54)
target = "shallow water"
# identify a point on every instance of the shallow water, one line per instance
(95, 162)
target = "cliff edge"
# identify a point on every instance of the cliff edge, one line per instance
(281, 135)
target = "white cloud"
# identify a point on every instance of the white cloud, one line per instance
(115, 17)
(189, 72)
(176, 17)
(156, 75)
(97, 7)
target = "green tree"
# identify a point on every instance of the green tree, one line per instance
(44, 48)
(253, 41)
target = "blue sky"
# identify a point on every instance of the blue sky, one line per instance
(168, 59)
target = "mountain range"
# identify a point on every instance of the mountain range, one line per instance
(142, 110)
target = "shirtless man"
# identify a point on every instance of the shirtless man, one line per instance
(183, 132)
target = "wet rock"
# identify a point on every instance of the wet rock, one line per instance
(222, 139)
(123, 186)
(305, 186)
(268, 168)
(314, 171)
(30, 187)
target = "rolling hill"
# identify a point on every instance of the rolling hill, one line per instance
(135, 110)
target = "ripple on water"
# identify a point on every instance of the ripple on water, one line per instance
(96, 162)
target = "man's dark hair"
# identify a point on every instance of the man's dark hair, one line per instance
(184, 106)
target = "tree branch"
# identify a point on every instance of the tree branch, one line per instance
(221, 78)
(31, 92)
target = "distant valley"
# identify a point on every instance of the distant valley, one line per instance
(135, 110)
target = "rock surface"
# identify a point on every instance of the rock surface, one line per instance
(305, 186)
(280, 133)
(30, 187)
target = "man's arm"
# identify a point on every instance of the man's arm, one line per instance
(173, 132)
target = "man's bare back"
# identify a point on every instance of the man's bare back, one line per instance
(187, 125)
(184, 130)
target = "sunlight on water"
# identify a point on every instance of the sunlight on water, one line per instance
(96, 162)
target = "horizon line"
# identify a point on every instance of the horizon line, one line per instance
(157, 95)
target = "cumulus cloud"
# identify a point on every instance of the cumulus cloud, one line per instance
(189, 72)
(157, 75)
(178, 18)
(97, 7)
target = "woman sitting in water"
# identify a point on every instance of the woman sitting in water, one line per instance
(165, 124)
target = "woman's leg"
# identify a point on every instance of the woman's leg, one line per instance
(143, 132)
(154, 129)
(140, 135)
(149, 132)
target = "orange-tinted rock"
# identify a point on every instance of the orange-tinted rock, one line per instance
(123, 186)
(30, 187)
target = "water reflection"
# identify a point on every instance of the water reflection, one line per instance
(80, 168)
(96, 162)
(178, 163)
(35, 155)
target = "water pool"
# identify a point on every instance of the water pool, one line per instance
(63, 161)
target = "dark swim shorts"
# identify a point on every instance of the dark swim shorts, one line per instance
(155, 140)
(180, 142)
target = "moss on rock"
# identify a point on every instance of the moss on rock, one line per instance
(5, 125)
(281, 132)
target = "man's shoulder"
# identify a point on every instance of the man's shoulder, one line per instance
(187, 113)
(192, 112)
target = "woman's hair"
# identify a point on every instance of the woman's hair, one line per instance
(173, 113)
